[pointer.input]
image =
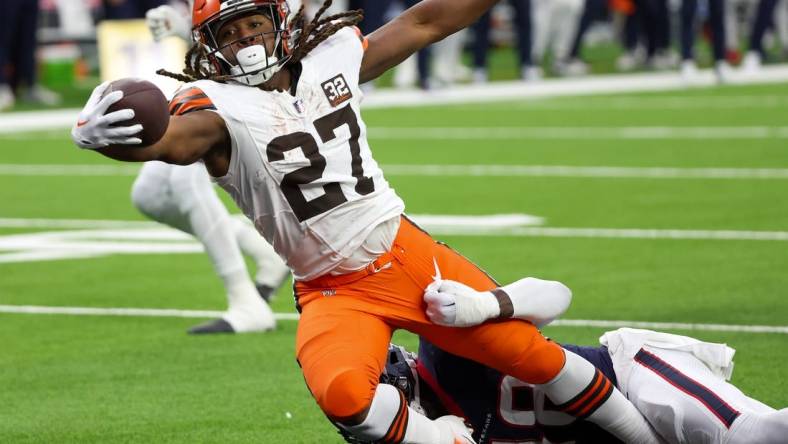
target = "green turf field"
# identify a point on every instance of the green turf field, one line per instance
(142, 379)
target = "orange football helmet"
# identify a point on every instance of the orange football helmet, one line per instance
(253, 64)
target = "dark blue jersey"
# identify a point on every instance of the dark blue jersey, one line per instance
(503, 409)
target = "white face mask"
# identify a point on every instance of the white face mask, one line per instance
(252, 59)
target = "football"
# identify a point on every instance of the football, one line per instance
(149, 105)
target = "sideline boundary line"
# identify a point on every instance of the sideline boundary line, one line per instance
(176, 313)
(468, 94)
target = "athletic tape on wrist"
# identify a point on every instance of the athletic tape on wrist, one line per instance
(504, 302)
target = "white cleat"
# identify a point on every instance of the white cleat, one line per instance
(6, 97)
(723, 72)
(479, 76)
(571, 68)
(751, 64)
(253, 316)
(629, 61)
(531, 74)
(689, 71)
(39, 94)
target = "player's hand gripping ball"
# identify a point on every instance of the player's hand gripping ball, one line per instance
(149, 105)
(123, 112)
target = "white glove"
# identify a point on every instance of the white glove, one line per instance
(165, 21)
(93, 129)
(453, 430)
(453, 304)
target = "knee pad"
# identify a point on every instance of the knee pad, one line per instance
(149, 200)
(151, 190)
(346, 394)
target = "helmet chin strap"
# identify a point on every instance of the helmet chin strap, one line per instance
(253, 60)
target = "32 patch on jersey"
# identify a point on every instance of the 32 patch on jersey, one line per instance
(336, 90)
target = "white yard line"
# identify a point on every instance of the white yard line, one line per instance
(579, 133)
(638, 233)
(11, 222)
(168, 312)
(142, 312)
(585, 171)
(8, 169)
(660, 102)
(33, 170)
(516, 225)
(671, 326)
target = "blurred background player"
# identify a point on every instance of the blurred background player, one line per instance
(645, 34)
(765, 18)
(689, 22)
(184, 198)
(18, 26)
(523, 27)
(555, 24)
(593, 11)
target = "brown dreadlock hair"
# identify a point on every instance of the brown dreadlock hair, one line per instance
(308, 36)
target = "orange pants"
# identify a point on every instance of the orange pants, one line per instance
(347, 322)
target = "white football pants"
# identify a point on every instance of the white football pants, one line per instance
(686, 402)
(183, 197)
(555, 24)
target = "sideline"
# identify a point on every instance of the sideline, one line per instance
(467, 94)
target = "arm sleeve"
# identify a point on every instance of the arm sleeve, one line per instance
(536, 300)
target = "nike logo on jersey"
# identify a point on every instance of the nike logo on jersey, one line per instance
(337, 91)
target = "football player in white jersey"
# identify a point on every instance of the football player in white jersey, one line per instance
(273, 110)
(184, 198)
(678, 383)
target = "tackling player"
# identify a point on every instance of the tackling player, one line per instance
(678, 383)
(273, 110)
(184, 198)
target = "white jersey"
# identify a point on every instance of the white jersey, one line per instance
(680, 386)
(301, 168)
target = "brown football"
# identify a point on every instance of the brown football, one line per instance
(149, 105)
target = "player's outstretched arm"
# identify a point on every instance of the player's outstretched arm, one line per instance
(535, 300)
(427, 22)
(188, 138)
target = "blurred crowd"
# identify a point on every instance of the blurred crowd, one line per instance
(549, 37)
(553, 35)
(21, 24)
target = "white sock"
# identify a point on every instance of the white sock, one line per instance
(390, 420)
(247, 311)
(582, 391)
(538, 300)
(208, 221)
(271, 269)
